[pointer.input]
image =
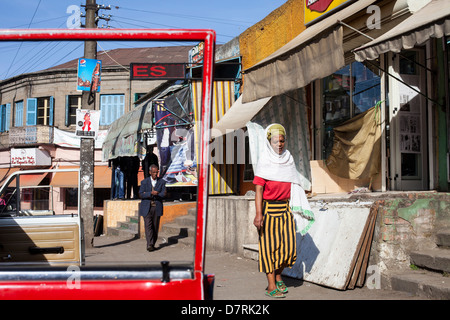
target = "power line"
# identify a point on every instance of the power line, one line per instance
(146, 24)
(38, 57)
(40, 21)
(210, 19)
(31, 21)
(70, 52)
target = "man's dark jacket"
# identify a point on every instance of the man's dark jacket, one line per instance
(147, 197)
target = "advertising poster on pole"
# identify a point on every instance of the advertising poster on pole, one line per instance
(175, 141)
(89, 75)
(87, 125)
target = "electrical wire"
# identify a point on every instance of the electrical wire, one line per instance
(31, 21)
(146, 24)
(192, 17)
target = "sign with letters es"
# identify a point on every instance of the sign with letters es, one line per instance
(315, 9)
(157, 71)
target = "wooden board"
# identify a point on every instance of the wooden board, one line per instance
(362, 259)
(328, 253)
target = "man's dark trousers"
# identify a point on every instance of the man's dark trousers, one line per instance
(151, 221)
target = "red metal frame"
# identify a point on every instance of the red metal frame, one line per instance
(133, 289)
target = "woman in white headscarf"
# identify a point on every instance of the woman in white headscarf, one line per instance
(278, 194)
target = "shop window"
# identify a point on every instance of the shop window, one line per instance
(18, 117)
(100, 195)
(72, 104)
(112, 107)
(137, 96)
(346, 93)
(71, 197)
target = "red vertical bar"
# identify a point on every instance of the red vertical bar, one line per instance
(202, 192)
(142, 288)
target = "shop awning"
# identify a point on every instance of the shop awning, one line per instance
(5, 173)
(237, 116)
(102, 178)
(432, 21)
(26, 179)
(32, 180)
(314, 54)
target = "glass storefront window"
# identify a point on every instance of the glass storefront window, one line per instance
(347, 93)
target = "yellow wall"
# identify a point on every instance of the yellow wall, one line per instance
(271, 33)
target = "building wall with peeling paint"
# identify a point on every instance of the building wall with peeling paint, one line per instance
(408, 222)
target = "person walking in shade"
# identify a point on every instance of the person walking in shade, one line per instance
(278, 193)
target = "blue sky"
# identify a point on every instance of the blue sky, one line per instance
(228, 18)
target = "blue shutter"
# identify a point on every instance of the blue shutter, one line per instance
(112, 107)
(18, 121)
(67, 122)
(51, 111)
(8, 116)
(2, 118)
(102, 110)
(31, 111)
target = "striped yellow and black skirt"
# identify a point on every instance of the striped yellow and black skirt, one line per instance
(277, 240)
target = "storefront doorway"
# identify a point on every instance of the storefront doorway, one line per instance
(408, 121)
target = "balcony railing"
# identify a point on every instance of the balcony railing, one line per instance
(26, 136)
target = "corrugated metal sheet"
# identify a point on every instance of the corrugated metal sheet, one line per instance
(223, 176)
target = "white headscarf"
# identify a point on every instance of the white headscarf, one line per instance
(281, 167)
(276, 167)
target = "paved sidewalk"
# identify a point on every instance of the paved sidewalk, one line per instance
(236, 278)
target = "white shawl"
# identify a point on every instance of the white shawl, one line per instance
(281, 167)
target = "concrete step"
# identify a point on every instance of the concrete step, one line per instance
(427, 284)
(182, 229)
(133, 219)
(175, 228)
(251, 251)
(133, 226)
(121, 232)
(188, 220)
(435, 259)
(192, 212)
(443, 238)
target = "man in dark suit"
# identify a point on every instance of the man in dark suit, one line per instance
(152, 192)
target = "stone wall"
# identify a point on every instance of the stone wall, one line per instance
(407, 222)
(230, 223)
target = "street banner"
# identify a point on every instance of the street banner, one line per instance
(89, 75)
(176, 143)
(87, 125)
(68, 139)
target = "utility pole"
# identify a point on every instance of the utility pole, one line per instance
(87, 144)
